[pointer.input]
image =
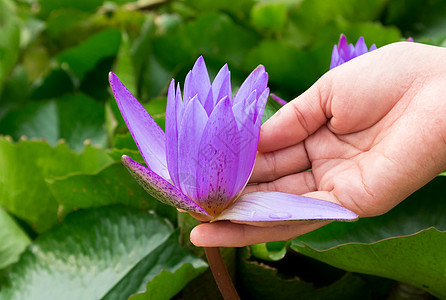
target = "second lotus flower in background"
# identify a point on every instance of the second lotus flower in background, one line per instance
(204, 160)
(343, 52)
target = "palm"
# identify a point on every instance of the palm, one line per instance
(346, 166)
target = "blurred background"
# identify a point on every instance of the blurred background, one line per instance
(62, 135)
(56, 54)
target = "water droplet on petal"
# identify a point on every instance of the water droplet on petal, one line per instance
(280, 215)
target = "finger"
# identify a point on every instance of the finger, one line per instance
(296, 120)
(272, 165)
(297, 184)
(227, 234)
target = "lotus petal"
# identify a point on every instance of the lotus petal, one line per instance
(343, 45)
(172, 133)
(148, 136)
(257, 80)
(161, 189)
(334, 57)
(249, 139)
(260, 106)
(221, 87)
(244, 111)
(197, 82)
(360, 47)
(189, 137)
(218, 159)
(277, 206)
(343, 52)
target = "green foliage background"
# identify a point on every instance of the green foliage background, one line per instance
(75, 225)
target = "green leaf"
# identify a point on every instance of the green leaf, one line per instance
(211, 35)
(64, 19)
(319, 22)
(9, 39)
(8, 13)
(56, 84)
(168, 284)
(204, 286)
(156, 79)
(15, 91)
(157, 109)
(81, 119)
(261, 281)
(125, 141)
(105, 253)
(289, 68)
(269, 16)
(36, 61)
(87, 55)
(36, 120)
(169, 266)
(216, 35)
(236, 6)
(407, 15)
(417, 260)
(271, 251)
(405, 244)
(314, 14)
(124, 65)
(147, 70)
(75, 118)
(48, 6)
(373, 33)
(26, 168)
(112, 185)
(13, 240)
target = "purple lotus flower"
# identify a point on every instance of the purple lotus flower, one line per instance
(205, 158)
(343, 52)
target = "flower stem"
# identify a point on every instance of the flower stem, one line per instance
(221, 274)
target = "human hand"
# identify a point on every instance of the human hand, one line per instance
(372, 131)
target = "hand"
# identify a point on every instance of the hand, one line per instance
(366, 135)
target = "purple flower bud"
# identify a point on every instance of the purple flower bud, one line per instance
(343, 52)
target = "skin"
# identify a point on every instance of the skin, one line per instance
(372, 131)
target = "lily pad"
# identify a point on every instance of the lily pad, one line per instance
(269, 16)
(49, 6)
(406, 244)
(75, 118)
(87, 55)
(165, 285)
(104, 253)
(112, 185)
(26, 167)
(14, 240)
(261, 281)
(9, 39)
(211, 35)
(271, 251)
